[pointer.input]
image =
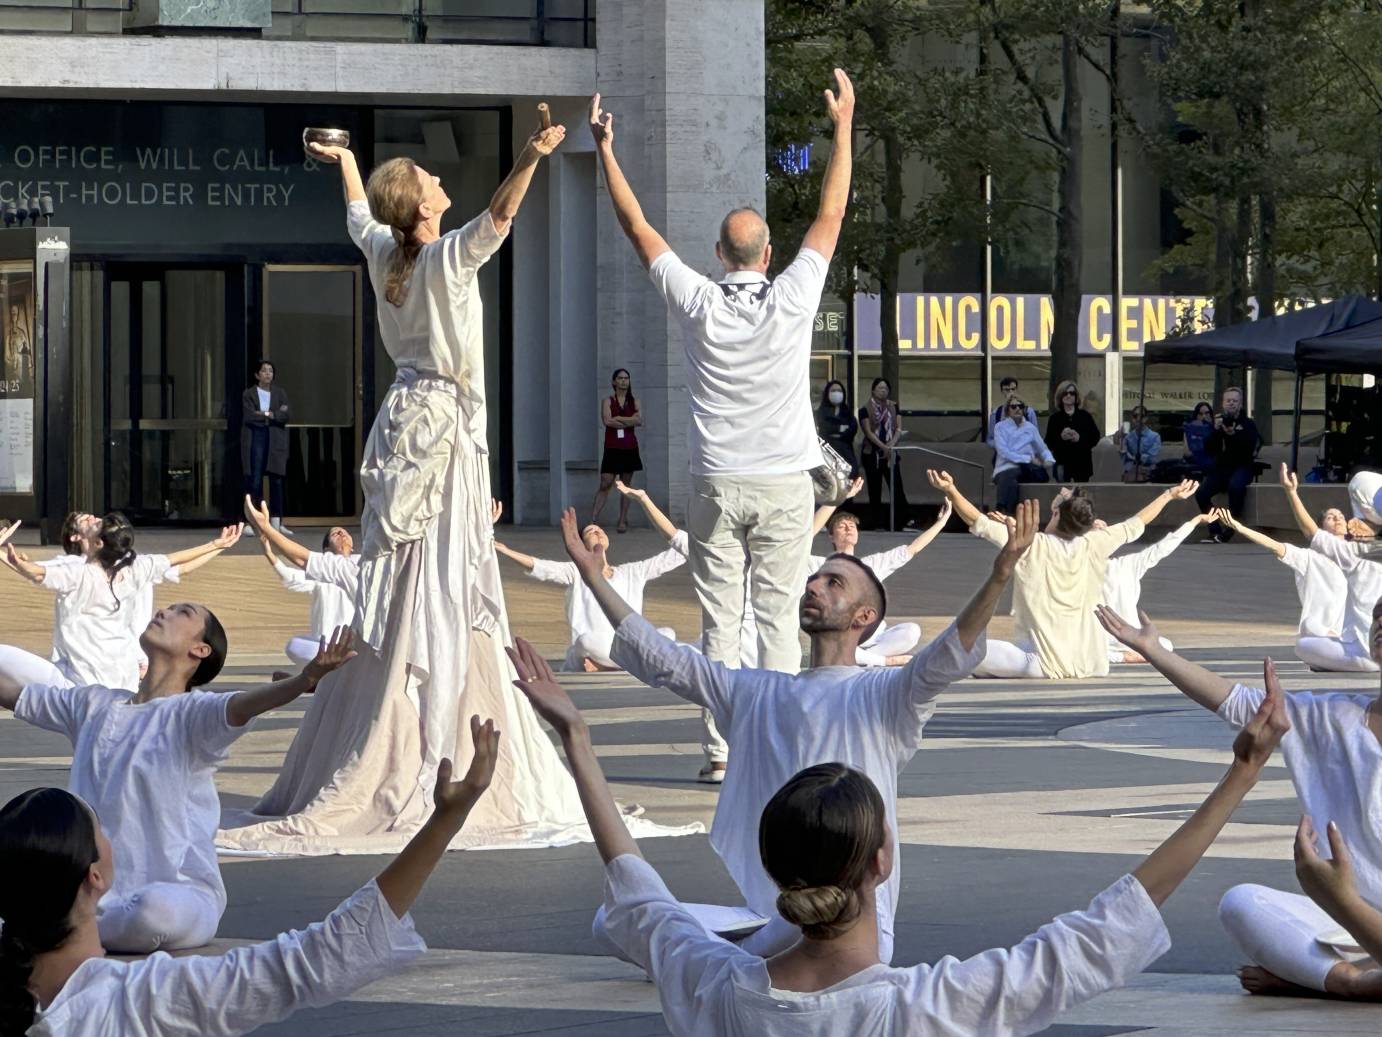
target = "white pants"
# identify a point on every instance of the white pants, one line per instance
(1005, 659)
(1334, 654)
(302, 650)
(764, 521)
(162, 916)
(1117, 649)
(1279, 932)
(597, 648)
(887, 640)
(26, 668)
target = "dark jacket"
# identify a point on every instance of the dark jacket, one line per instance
(253, 418)
(1076, 459)
(836, 425)
(1234, 451)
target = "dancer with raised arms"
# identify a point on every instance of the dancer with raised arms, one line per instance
(430, 607)
(55, 980)
(826, 839)
(876, 715)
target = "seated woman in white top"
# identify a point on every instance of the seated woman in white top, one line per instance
(1334, 755)
(105, 594)
(1057, 584)
(145, 761)
(825, 841)
(331, 576)
(1320, 588)
(592, 637)
(55, 978)
(1349, 651)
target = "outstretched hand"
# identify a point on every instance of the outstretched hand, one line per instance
(855, 485)
(539, 686)
(1022, 531)
(1062, 495)
(1224, 516)
(461, 795)
(230, 536)
(943, 516)
(257, 517)
(630, 491)
(1185, 490)
(1324, 881)
(1263, 733)
(546, 139)
(1289, 480)
(1138, 638)
(328, 153)
(8, 534)
(601, 123)
(585, 559)
(331, 655)
(941, 481)
(496, 510)
(840, 103)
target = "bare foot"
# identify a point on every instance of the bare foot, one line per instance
(588, 665)
(1360, 982)
(1134, 657)
(1257, 980)
(897, 660)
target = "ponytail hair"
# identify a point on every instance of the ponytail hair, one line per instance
(48, 844)
(394, 195)
(818, 837)
(117, 546)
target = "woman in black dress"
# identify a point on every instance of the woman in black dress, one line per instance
(1071, 435)
(836, 425)
(620, 416)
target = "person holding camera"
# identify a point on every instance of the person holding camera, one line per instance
(1232, 447)
(1022, 455)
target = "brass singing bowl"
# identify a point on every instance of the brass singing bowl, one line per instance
(326, 137)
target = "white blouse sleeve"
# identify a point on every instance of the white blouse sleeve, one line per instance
(911, 690)
(1066, 962)
(337, 570)
(658, 564)
(564, 573)
(292, 578)
(359, 942)
(662, 663)
(470, 247)
(372, 238)
(651, 927)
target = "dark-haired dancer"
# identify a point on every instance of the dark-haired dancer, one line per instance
(826, 841)
(55, 979)
(431, 613)
(1057, 585)
(104, 594)
(875, 714)
(144, 760)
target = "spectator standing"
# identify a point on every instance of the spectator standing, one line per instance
(1007, 387)
(1232, 451)
(264, 440)
(1140, 447)
(882, 427)
(752, 442)
(836, 425)
(620, 416)
(1071, 435)
(1022, 455)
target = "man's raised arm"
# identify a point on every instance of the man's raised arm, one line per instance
(824, 233)
(647, 242)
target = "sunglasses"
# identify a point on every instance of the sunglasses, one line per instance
(1070, 392)
(1017, 406)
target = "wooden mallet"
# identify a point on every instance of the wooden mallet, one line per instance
(544, 114)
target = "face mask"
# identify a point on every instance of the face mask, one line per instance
(836, 397)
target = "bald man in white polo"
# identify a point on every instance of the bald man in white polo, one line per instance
(753, 438)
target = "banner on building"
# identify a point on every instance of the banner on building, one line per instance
(17, 377)
(948, 324)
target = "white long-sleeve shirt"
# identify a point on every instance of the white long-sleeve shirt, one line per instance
(883, 563)
(1123, 578)
(583, 613)
(712, 988)
(148, 771)
(1364, 579)
(333, 588)
(777, 724)
(94, 618)
(1018, 444)
(239, 991)
(1322, 590)
(138, 616)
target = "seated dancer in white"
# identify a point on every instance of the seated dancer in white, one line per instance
(871, 718)
(102, 593)
(430, 608)
(1348, 652)
(592, 637)
(827, 840)
(144, 760)
(1320, 587)
(55, 980)
(1057, 585)
(1334, 755)
(331, 576)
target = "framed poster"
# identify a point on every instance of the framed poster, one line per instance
(18, 350)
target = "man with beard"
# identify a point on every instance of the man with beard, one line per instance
(777, 723)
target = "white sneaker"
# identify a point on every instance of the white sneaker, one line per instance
(711, 774)
(277, 523)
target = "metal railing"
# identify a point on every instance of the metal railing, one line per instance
(410, 21)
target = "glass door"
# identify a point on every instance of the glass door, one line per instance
(168, 333)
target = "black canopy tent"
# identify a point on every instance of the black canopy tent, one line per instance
(1340, 336)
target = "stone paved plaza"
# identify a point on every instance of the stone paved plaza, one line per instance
(1026, 799)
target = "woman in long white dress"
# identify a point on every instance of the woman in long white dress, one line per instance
(357, 777)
